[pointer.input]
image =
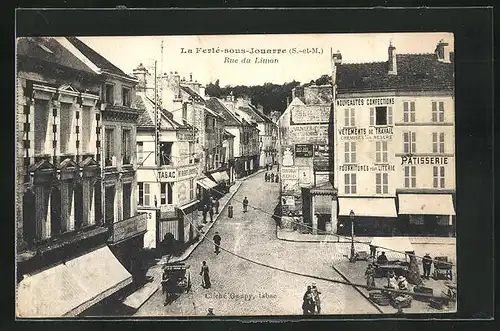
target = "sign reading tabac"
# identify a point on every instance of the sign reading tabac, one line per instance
(304, 114)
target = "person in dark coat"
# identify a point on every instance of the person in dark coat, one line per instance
(373, 251)
(229, 210)
(211, 213)
(317, 300)
(205, 211)
(308, 302)
(217, 240)
(427, 263)
(266, 177)
(272, 177)
(216, 206)
(206, 276)
(210, 312)
(245, 205)
(382, 259)
(276, 178)
(370, 276)
(267, 166)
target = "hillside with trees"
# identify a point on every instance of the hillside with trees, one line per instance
(272, 97)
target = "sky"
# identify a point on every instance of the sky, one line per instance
(127, 52)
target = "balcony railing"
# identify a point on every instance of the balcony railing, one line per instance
(128, 228)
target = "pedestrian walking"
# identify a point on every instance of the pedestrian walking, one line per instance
(216, 206)
(370, 276)
(211, 213)
(266, 177)
(210, 312)
(267, 167)
(373, 252)
(205, 282)
(272, 177)
(315, 292)
(217, 240)
(277, 178)
(205, 211)
(308, 302)
(427, 263)
(229, 210)
(245, 205)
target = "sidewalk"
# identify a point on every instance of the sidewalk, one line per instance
(354, 273)
(295, 236)
(137, 299)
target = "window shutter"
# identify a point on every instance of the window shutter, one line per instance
(372, 116)
(353, 122)
(389, 116)
(377, 154)
(346, 117)
(413, 142)
(353, 152)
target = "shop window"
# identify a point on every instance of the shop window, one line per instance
(109, 147)
(127, 196)
(109, 93)
(109, 204)
(350, 183)
(126, 97)
(409, 112)
(381, 152)
(410, 176)
(437, 111)
(350, 152)
(409, 142)
(169, 193)
(126, 146)
(438, 176)
(382, 183)
(349, 117)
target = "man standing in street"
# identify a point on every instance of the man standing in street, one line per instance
(229, 210)
(216, 206)
(211, 212)
(315, 292)
(245, 204)
(427, 263)
(217, 240)
(205, 210)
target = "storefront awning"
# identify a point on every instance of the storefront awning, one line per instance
(426, 204)
(377, 207)
(206, 183)
(220, 176)
(70, 288)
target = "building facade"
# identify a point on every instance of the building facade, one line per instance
(394, 152)
(62, 230)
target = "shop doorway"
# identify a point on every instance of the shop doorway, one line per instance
(323, 219)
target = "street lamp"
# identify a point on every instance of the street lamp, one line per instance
(351, 216)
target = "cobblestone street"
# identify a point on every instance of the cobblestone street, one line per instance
(240, 287)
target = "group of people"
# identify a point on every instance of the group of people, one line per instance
(271, 177)
(210, 208)
(311, 302)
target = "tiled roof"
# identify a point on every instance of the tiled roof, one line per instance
(216, 105)
(51, 51)
(415, 72)
(146, 120)
(97, 58)
(193, 94)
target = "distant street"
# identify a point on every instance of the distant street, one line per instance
(240, 287)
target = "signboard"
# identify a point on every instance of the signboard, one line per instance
(289, 173)
(304, 176)
(167, 175)
(182, 191)
(186, 172)
(129, 227)
(167, 211)
(309, 133)
(287, 157)
(366, 167)
(303, 150)
(150, 235)
(322, 179)
(371, 133)
(310, 114)
(288, 185)
(321, 164)
(363, 102)
(185, 136)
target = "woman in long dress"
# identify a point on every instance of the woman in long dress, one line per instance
(206, 277)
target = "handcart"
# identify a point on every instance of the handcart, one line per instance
(176, 280)
(442, 268)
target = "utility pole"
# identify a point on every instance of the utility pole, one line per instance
(157, 131)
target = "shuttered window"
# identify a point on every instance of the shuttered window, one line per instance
(97, 203)
(127, 196)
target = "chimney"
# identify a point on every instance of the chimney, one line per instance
(140, 74)
(393, 67)
(174, 82)
(442, 52)
(336, 61)
(190, 77)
